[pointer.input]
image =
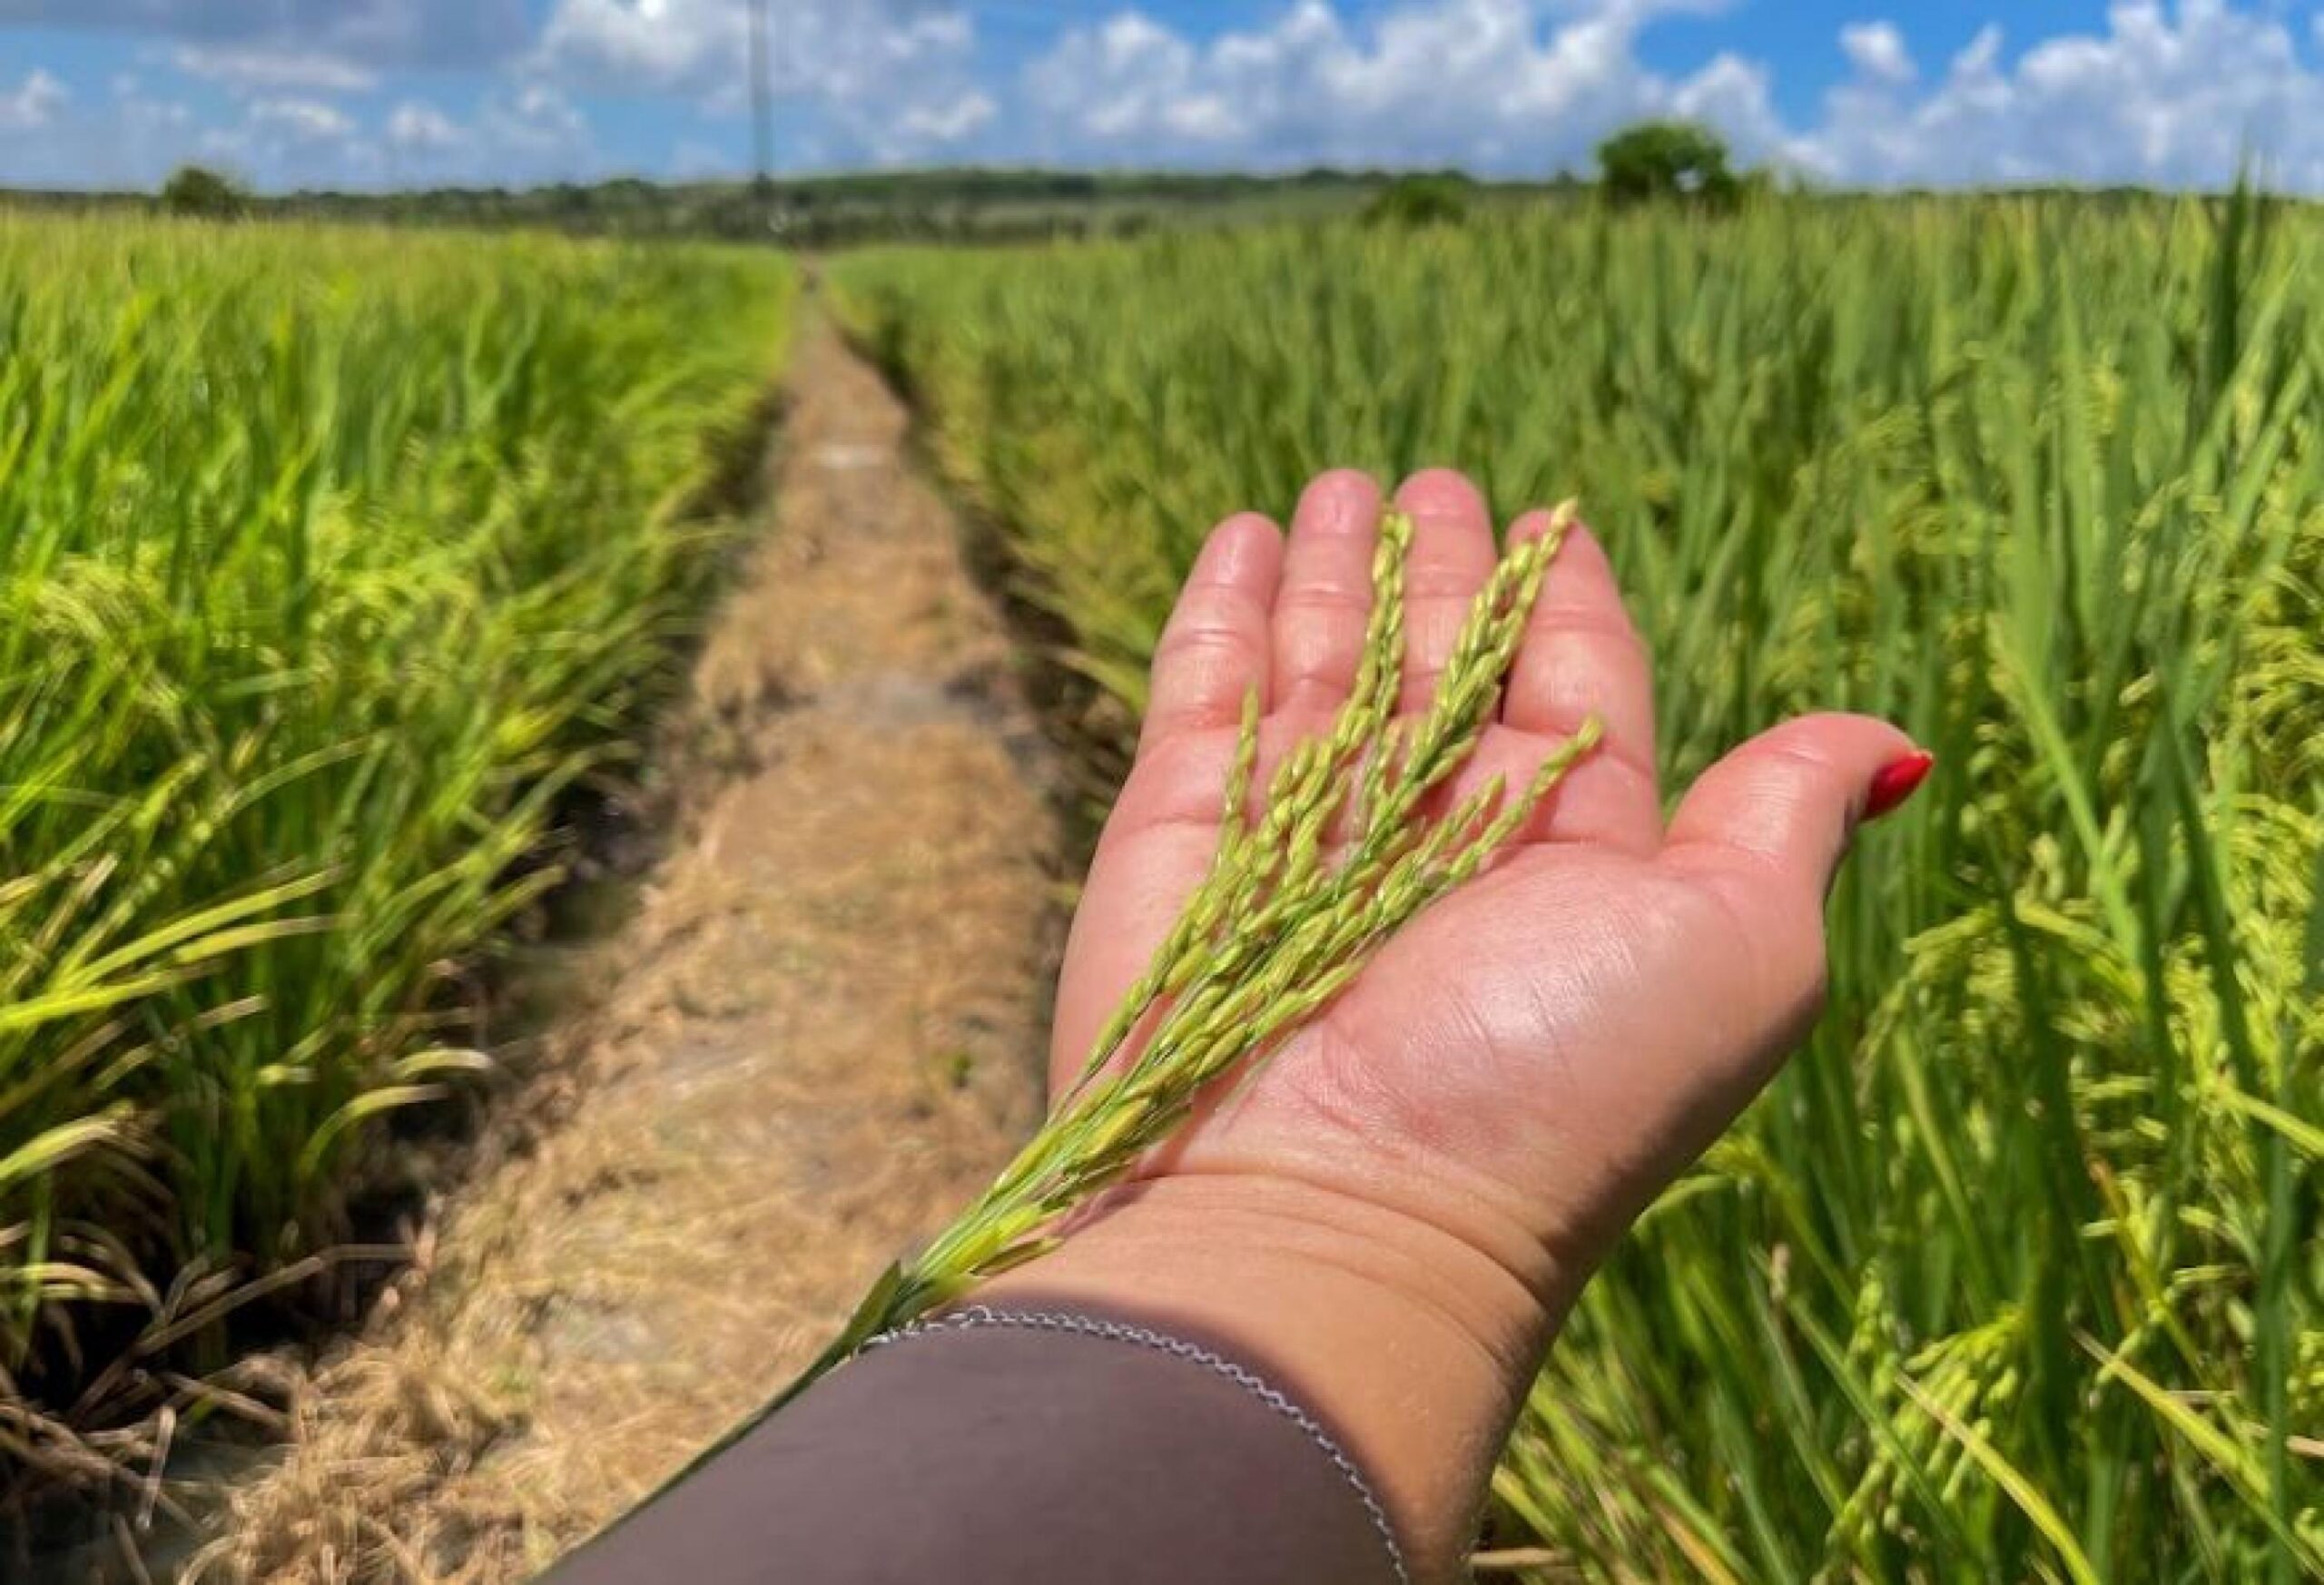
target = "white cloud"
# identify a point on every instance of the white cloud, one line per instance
(821, 48)
(949, 123)
(128, 140)
(281, 63)
(1487, 82)
(668, 45)
(2169, 97)
(1737, 96)
(276, 144)
(885, 80)
(306, 120)
(420, 126)
(2168, 94)
(33, 105)
(537, 121)
(368, 32)
(1876, 50)
(247, 68)
(292, 141)
(515, 135)
(526, 134)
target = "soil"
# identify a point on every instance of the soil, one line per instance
(818, 1034)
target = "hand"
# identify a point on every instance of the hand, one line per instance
(1472, 1123)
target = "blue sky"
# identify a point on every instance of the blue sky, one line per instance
(386, 92)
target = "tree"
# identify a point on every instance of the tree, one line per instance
(1428, 199)
(194, 191)
(1667, 159)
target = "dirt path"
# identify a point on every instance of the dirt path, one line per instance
(817, 1037)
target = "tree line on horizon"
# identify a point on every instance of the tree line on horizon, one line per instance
(1665, 161)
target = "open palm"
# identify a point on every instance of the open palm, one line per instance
(1534, 1057)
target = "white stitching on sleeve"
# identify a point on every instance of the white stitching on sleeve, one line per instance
(976, 1316)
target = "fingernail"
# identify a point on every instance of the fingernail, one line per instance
(1896, 782)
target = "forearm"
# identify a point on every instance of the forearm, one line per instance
(1078, 1421)
(1414, 1348)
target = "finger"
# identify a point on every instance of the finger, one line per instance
(1157, 845)
(1581, 657)
(1181, 781)
(1216, 648)
(1323, 601)
(1581, 654)
(1767, 826)
(1450, 558)
(1600, 799)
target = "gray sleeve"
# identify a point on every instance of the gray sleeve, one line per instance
(1026, 1448)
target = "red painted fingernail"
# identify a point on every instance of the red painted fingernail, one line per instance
(1896, 782)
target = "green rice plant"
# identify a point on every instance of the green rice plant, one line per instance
(2017, 1271)
(330, 562)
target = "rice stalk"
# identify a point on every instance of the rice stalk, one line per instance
(1285, 917)
(2042, 480)
(329, 562)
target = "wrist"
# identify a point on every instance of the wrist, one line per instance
(1413, 1345)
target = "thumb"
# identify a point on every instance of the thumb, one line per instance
(1770, 823)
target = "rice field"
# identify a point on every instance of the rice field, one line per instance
(2016, 1272)
(331, 562)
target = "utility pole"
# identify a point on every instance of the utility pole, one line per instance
(762, 99)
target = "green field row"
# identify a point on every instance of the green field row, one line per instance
(2016, 1274)
(330, 562)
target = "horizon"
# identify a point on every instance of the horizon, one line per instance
(1159, 175)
